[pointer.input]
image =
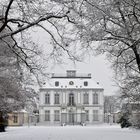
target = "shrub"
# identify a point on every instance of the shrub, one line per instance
(124, 121)
(3, 122)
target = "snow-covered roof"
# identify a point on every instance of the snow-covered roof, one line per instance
(71, 83)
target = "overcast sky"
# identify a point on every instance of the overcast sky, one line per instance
(98, 66)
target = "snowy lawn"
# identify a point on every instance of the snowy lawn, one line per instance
(100, 132)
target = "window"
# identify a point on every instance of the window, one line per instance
(15, 119)
(71, 73)
(56, 83)
(71, 99)
(95, 115)
(71, 83)
(86, 98)
(47, 98)
(87, 115)
(56, 115)
(47, 115)
(85, 83)
(56, 98)
(95, 98)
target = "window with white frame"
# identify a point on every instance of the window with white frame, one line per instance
(87, 115)
(86, 98)
(47, 98)
(56, 115)
(47, 115)
(95, 115)
(56, 98)
(95, 98)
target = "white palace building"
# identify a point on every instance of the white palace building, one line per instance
(71, 99)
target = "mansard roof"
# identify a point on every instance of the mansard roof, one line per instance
(75, 81)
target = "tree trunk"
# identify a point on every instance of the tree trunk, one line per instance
(137, 55)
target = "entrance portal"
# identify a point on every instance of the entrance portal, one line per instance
(72, 118)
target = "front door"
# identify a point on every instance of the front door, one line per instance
(64, 118)
(71, 118)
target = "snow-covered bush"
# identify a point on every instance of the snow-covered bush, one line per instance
(124, 120)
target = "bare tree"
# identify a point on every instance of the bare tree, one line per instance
(17, 20)
(112, 104)
(21, 17)
(113, 23)
(115, 26)
(13, 95)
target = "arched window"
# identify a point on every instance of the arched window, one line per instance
(56, 98)
(86, 98)
(95, 98)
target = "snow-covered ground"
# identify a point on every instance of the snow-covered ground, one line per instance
(100, 132)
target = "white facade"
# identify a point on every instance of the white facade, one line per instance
(72, 99)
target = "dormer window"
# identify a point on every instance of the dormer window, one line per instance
(85, 83)
(71, 73)
(56, 83)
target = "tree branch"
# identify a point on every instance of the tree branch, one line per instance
(6, 15)
(35, 23)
